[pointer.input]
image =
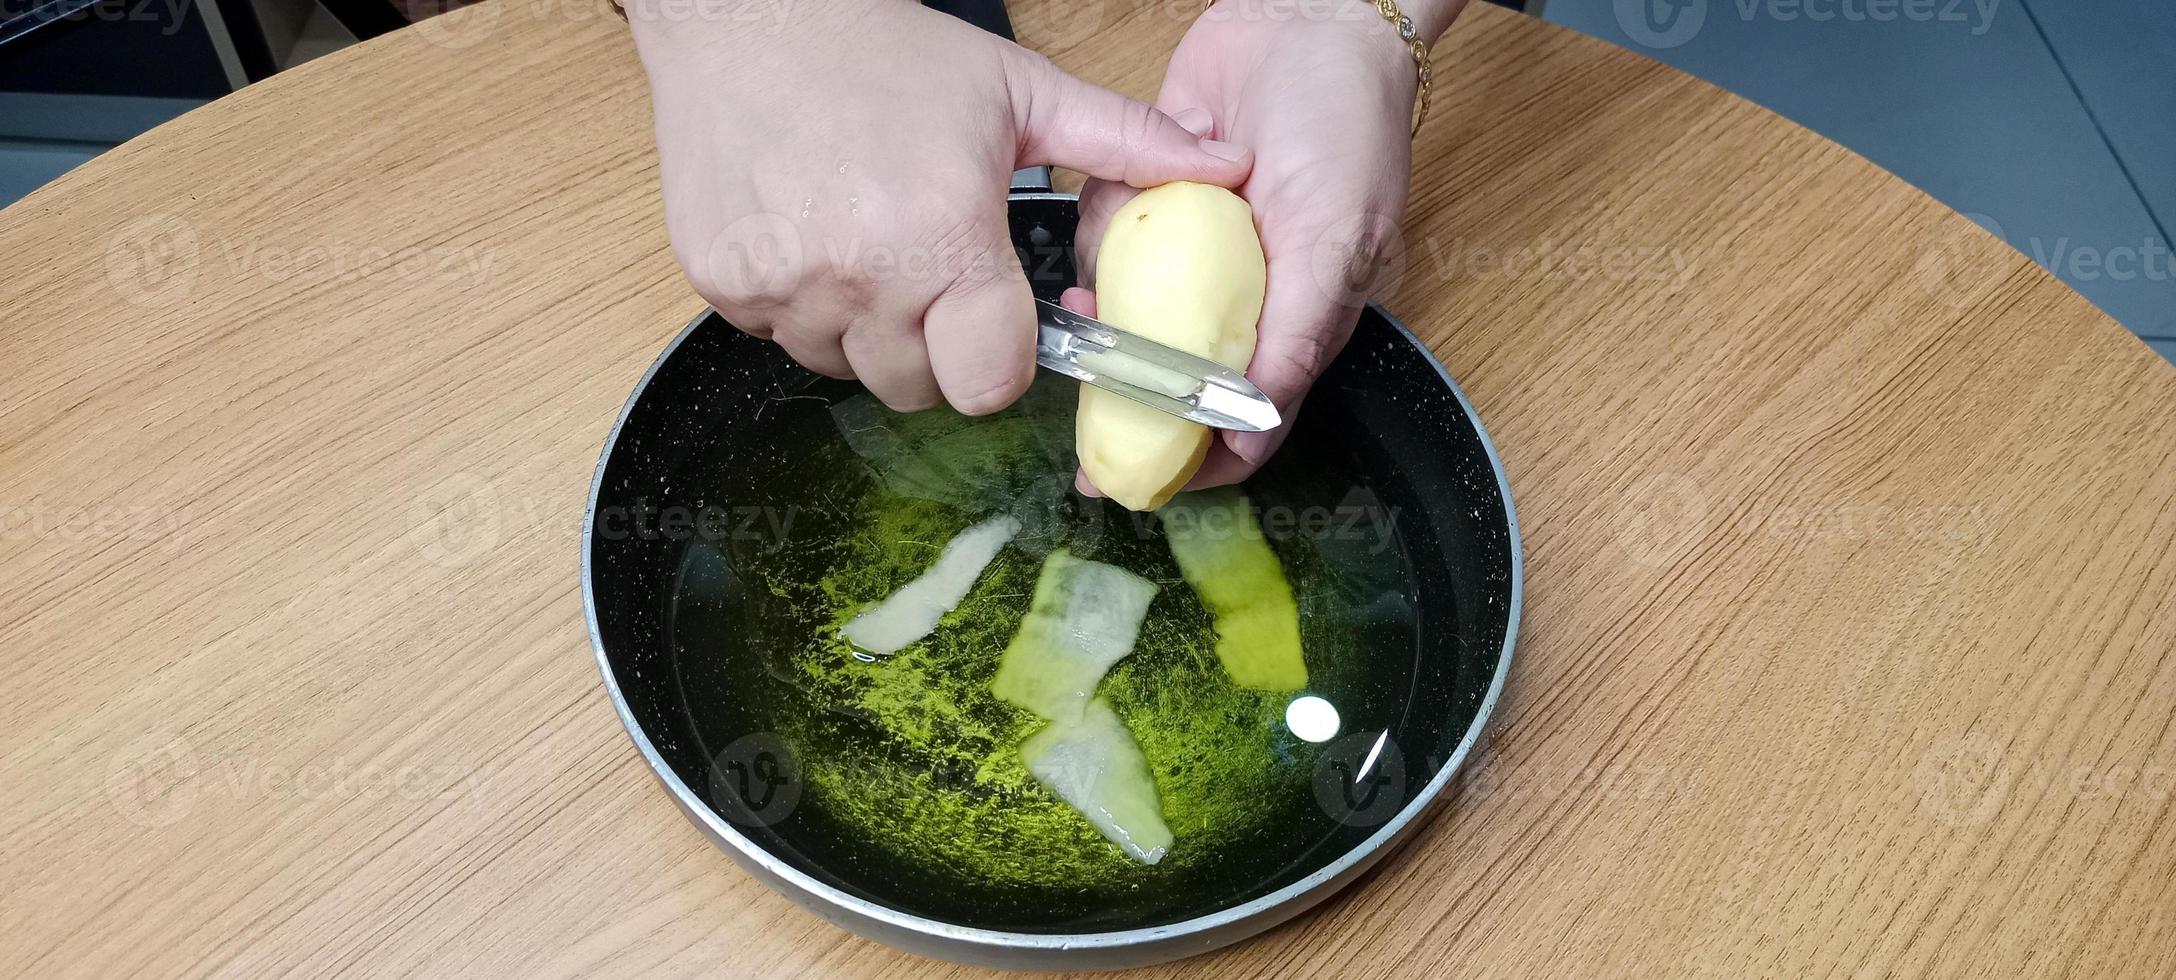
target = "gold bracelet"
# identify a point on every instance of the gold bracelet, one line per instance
(1411, 36)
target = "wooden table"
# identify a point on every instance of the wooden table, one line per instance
(1852, 541)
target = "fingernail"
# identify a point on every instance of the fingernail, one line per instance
(1246, 445)
(1195, 120)
(1224, 151)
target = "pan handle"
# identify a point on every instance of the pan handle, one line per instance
(1031, 180)
(987, 14)
(990, 16)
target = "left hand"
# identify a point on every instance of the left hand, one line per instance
(1325, 100)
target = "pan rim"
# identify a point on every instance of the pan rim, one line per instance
(1240, 920)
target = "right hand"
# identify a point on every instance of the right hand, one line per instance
(837, 181)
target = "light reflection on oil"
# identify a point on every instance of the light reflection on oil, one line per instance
(1311, 718)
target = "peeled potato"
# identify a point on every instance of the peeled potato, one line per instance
(1180, 264)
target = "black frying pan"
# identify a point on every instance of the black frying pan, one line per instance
(704, 461)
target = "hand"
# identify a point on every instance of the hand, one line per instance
(1325, 101)
(836, 182)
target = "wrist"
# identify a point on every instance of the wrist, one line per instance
(701, 24)
(1431, 18)
(1406, 30)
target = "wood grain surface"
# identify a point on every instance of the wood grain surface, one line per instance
(1851, 539)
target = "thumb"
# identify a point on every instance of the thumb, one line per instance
(1062, 121)
(1100, 199)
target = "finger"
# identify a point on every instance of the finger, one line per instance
(753, 323)
(1065, 122)
(887, 354)
(1194, 119)
(1302, 329)
(1083, 302)
(981, 336)
(1079, 300)
(1099, 200)
(749, 271)
(1220, 467)
(815, 349)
